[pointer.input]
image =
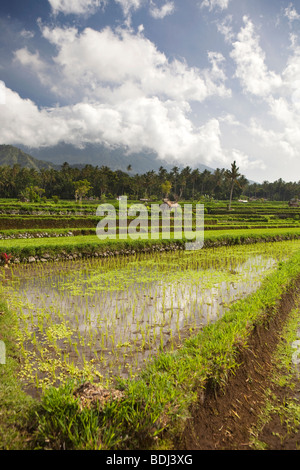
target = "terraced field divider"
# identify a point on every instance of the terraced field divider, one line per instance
(57, 248)
(152, 411)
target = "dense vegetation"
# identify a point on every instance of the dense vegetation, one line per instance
(150, 408)
(69, 227)
(10, 155)
(101, 182)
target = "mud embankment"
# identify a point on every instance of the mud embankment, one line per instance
(222, 419)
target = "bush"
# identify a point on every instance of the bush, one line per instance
(64, 424)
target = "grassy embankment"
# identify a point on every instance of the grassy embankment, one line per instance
(16, 406)
(278, 424)
(90, 244)
(51, 226)
(153, 409)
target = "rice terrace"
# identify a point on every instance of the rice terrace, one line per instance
(138, 343)
(149, 229)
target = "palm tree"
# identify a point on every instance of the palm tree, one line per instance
(232, 175)
(174, 174)
(82, 187)
(194, 177)
(217, 180)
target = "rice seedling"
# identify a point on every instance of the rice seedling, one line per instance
(99, 318)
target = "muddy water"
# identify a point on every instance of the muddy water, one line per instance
(116, 314)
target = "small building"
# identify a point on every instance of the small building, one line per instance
(294, 202)
(168, 205)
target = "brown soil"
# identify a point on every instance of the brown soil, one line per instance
(222, 419)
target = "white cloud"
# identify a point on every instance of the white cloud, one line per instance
(169, 132)
(27, 34)
(225, 28)
(250, 63)
(2, 93)
(277, 144)
(285, 111)
(76, 7)
(116, 61)
(211, 4)
(129, 5)
(278, 132)
(88, 7)
(291, 76)
(159, 13)
(28, 59)
(37, 66)
(22, 122)
(122, 92)
(291, 13)
(230, 119)
(244, 162)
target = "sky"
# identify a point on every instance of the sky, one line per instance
(194, 81)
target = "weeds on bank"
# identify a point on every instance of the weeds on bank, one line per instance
(156, 399)
(286, 378)
(156, 404)
(99, 319)
(64, 424)
(16, 406)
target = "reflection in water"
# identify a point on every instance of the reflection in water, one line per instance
(117, 316)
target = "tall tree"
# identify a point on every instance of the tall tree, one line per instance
(174, 174)
(82, 187)
(166, 187)
(232, 175)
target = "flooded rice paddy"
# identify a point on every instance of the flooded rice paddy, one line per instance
(101, 318)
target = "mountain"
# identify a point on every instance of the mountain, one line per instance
(10, 156)
(95, 155)
(98, 155)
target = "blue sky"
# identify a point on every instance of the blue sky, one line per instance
(195, 81)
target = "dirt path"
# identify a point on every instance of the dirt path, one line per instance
(222, 420)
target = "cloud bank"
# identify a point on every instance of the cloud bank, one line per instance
(114, 86)
(75, 7)
(122, 91)
(212, 4)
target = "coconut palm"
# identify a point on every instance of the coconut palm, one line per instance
(232, 175)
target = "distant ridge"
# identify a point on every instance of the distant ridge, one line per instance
(10, 156)
(95, 155)
(100, 155)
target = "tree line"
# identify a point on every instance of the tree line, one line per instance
(101, 182)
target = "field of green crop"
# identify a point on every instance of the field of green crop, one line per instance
(28, 230)
(102, 318)
(124, 315)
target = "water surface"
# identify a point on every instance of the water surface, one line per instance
(108, 316)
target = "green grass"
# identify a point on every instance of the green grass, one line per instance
(156, 405)
(16, 406)
(102, 317)
(285, 379)
(91, 243)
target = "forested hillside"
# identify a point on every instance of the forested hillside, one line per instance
(10, 156)
(100, 182)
